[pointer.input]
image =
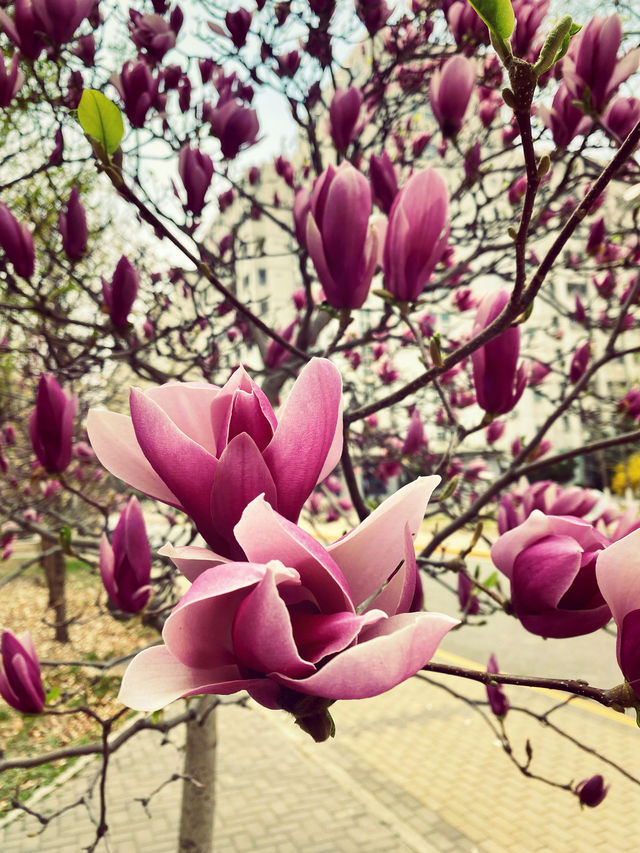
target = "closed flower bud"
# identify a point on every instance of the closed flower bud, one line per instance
(416, 234)
(51, 424)
(495, 694)
(238, 23)
(468, 602)
(72, 224)
(17, 242)
(579, 362)
(449, 93)
(342, 245)
(20, 678)
(373, 14)
(196, 171)
(120, 295)
(125, 564)
(415, 440)
(498, 380)
(384, 181)
(343, 116)
(591, 792)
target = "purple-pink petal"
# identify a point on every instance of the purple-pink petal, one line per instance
(387, 653)
(154, 678)
(369, 554)
(262, 634)
(310, 423)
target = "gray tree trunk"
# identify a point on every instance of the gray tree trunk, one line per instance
(55, 572)
(198, 787)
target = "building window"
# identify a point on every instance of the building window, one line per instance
(245, 282)
(262, 276)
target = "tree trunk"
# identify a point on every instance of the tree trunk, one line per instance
(56, 575)
(198, 788)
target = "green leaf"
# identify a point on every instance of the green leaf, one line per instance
(52, 695)
(101, 119)
(492, 580)
(497, 15)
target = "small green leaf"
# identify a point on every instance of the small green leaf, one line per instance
(52, 695)
(492, 580)
(497, 15)
(101, 119)
(65, 538)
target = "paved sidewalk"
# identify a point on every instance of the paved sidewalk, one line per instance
(413, 770)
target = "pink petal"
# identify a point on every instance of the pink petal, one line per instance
(198, 631)
(241, 476)
(309, 423)
(191, 560)
(398, 594)
(370, 553)
(318, 635)
(185, 466)
(264, 535)
(154, 678)
(188, 405)
(114, 441)
(388, 653)
(262, 634)
(618, 574)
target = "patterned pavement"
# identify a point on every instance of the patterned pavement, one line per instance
(413, 770)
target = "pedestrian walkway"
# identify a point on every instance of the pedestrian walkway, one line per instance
(413, 770)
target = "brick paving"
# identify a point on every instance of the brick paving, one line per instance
(413, 770)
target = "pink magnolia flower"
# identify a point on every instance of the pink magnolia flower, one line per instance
(591, 70)
(235, 126)
(125, 564)
(296, 620)
(416, 235)
(550, 561)
(24, 29)
(61, 18)
(20, 679)
(618, 575)
(565, 120)
(209, 451)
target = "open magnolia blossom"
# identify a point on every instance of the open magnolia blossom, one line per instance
(296, 620)
(209, 451)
